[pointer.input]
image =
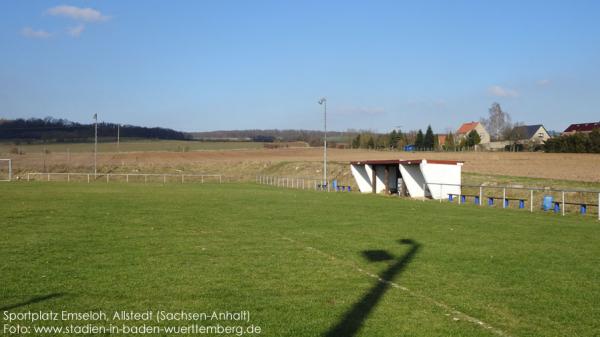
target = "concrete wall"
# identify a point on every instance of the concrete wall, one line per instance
(483, 134)
(437, 174)
(362, 176)
(413, 180)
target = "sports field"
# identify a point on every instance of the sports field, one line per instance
(302, 263)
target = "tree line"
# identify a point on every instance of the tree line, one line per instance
(414, 140)
(61, 130)
(575, 143)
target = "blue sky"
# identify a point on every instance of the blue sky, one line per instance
(206, 65)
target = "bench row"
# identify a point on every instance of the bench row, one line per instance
(463, 198)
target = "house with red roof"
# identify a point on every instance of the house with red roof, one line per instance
(464, 130)
(582, 127)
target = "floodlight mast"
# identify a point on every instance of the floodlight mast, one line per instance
(95, 143)
(323, 102)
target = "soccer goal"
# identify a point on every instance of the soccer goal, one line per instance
(5, 169)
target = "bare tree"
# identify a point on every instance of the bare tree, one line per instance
(498, 122)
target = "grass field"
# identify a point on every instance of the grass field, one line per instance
(128, 145)
(301, 262)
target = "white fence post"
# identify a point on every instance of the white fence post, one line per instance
(531, 201)
(504, 197)
(480, 195)
(88, 178)
(563, 203)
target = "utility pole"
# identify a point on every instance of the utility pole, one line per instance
(323, 102)
(95, 144)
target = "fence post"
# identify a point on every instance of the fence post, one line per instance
(127, 177)
(504, 197)
(531, 201)
(598, 206)
(107, 177)
(182, 178)
(164, 179)
(563, 203)
(145, 178)
(219, 178)
(88, 178)
(48, 176)
(27, 176)
(480, 195)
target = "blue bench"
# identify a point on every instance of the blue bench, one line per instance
(463, 197)
(582, 206)
(507, 201)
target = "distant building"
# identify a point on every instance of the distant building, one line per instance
(532, 133)
(442, 139)
(464, 130)
(583, 127)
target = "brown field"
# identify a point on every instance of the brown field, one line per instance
(307, 162)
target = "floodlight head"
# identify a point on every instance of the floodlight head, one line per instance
(322, 100)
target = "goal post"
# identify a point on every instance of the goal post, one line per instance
(5, 169)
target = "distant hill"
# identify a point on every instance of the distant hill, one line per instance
(61, 130)
(312, 137)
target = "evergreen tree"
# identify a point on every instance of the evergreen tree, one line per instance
(420, 140)
(429, 140)
(393, 139)
(370, 143)
(356, 142)
(450, 144)
(473, 139)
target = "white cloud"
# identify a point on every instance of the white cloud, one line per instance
(37, 34)
(75, 31)
(499, 91)
(78, 13)
(543, 82)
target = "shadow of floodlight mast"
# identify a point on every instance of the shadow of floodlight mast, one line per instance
(32, 300)
(355, 317)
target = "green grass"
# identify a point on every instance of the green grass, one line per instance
(131, 146)
(503, 180)
(224, 247)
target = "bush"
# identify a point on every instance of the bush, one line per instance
(575, 143)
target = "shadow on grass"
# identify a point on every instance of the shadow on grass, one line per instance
(32, 300)
(355, 317)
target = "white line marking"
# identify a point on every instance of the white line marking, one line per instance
(457, 315)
